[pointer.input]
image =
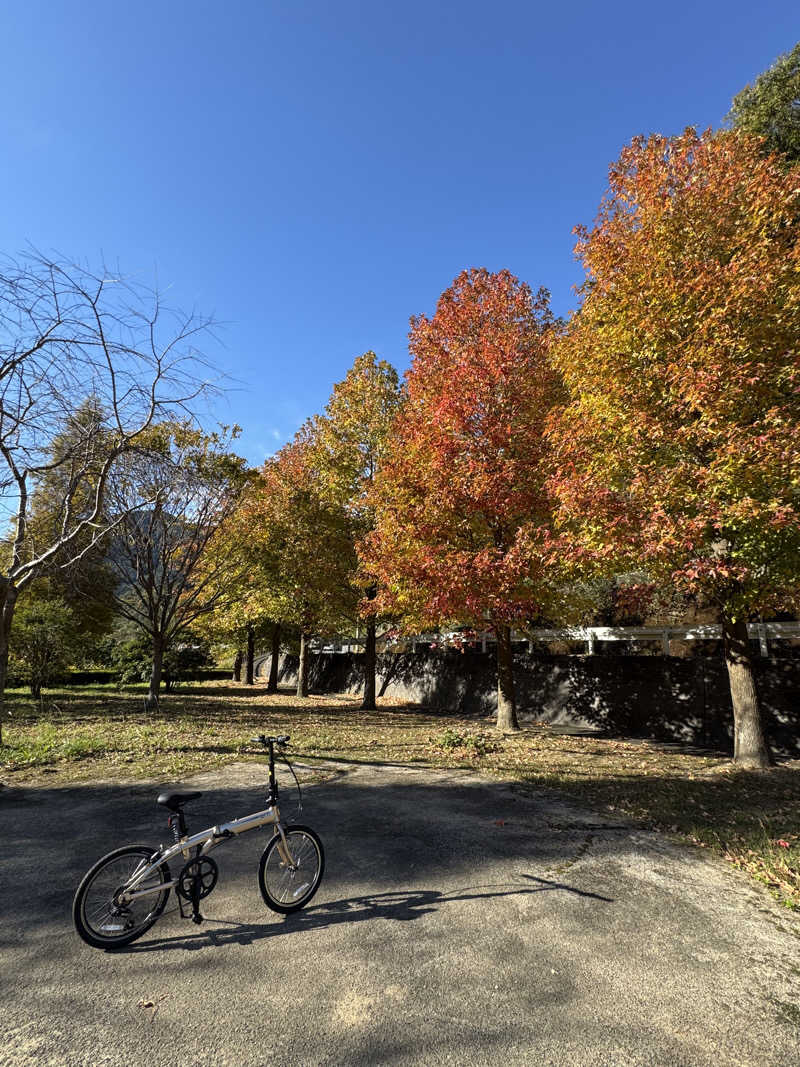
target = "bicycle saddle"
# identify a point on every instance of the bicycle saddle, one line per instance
(175, 801)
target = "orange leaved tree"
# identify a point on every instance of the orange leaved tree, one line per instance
(304, 546)
(462, 512)
(679, 452)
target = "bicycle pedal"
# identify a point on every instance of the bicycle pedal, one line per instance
(197, 918)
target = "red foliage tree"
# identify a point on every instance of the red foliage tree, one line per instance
(462, 510)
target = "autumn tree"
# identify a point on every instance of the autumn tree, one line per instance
(166, 500)
(462, 510)
(241, 617)
(67, 333)
(679, 452)
(305, 544)
(770, 107)
(242, 629)
(351, 441)
(317, 488)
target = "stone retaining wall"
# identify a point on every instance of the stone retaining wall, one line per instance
(667, 698)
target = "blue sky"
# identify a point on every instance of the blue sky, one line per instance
(315, 173)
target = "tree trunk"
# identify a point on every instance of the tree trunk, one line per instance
(750, 748)
(370, 660)
(155, 673)
(9, 599)
(237, 666)
(3, 674)
(251, 651)
(506, 702)
(272, 684)
(302, 669)
(389, 676)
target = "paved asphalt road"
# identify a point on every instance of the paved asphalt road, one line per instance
(459, 922)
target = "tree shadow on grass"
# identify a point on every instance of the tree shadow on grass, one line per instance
(231, 689)
(399, 906)
(749, 807)
(307, 708)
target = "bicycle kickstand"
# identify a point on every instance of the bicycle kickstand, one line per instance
(196, 916)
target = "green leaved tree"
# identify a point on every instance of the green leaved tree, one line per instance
(770, 107)
(351, 442)
(46, 639)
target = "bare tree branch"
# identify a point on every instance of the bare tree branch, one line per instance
(171, 501)
(70, 336)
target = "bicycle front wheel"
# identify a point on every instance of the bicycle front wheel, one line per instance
(101, 918)
(287, 883)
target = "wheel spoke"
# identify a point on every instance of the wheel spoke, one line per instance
(290, 885)
(102, 919)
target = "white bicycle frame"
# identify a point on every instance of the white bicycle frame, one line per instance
(209, 839)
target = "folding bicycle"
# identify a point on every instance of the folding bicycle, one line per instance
(126, 891)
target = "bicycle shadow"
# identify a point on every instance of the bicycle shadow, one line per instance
(400, 906)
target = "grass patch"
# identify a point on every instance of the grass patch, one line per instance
(466, 743)
(750, 818)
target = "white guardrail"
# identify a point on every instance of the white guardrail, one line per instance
(758, 631)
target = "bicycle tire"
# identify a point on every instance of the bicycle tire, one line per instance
(95, 928)
(286, 890)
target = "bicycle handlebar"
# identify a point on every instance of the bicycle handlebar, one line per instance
(262, 739)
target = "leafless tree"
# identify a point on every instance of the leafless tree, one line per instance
(167, 502)
(67, 334)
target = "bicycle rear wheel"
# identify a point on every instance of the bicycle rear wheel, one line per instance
(100, 918)
(288, 887)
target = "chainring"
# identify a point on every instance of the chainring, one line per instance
(203, 873)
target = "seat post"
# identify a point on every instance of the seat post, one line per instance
(177, 823)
